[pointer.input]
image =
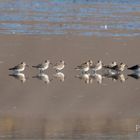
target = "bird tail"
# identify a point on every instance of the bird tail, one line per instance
(34, 66)
(10, 69)
(131, 68)
(77, 68)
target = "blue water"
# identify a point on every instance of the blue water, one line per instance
(70, 17)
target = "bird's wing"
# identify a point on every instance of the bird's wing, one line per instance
(55, 65)
(38, 66)
(15, 67)
(115, 67)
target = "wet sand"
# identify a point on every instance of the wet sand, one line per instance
(76, 31)
(72, 101)
(75, 128)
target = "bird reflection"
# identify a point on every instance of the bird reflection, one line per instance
(19, 76)
(88, 78)
(122, 78)
(97, 77)
(42, 76)
(137, 127)
(115, 77)
(60, 76)
(113, 74)
(135, 75)
(85, 77)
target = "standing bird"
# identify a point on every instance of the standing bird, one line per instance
(135, 68)
(111, 65)
(19, 68)
(84, 67)
(43, 66)
(90, 62)
(122, 67)
(119, 68)
(59, 66)
(98, 66)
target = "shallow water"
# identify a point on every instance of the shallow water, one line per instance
(78, 17)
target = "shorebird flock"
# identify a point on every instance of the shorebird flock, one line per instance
(88, 71)
(17, 71)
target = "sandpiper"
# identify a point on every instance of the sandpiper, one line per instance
(98, 66)
(60, 76)
(43, 66)
(90, 62)
(122, 67)
(19, 68)
(19, 76)
(135, 68)
(84, 67)
(119, 68)
(59, 66)
(111, 65)
(43, 77)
